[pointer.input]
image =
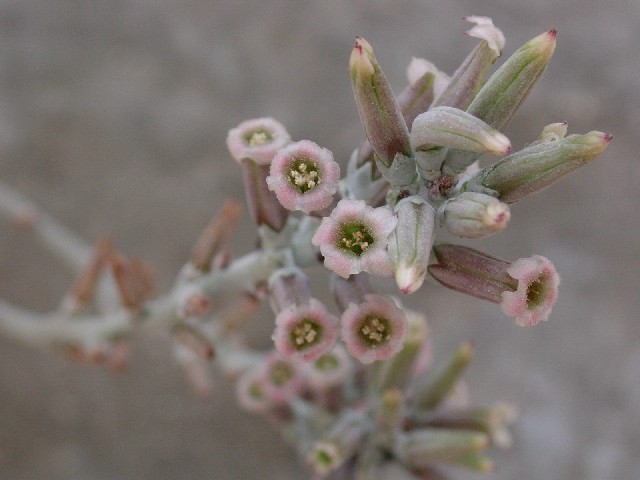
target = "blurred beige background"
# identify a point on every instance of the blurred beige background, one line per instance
(113, 115)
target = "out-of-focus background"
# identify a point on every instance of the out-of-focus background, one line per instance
(113, 116)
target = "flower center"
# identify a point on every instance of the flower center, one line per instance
(327, 362)
(255, 391)
(355, 238)
(536, 292)
(374, 331)
(304, 175)
(281, 373)
(306, 333)
(258, 137)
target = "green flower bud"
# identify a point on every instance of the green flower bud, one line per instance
(379, 111)
(410, 243)
(474, 215)
(468, 78)
(424, 447)
(430, 395)
(507, 88)
(536, 167)
(451, 127)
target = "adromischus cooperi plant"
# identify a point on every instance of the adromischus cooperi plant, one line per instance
(350, 384)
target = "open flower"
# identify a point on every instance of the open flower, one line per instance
(250, 391)
(282, 378)
(526, 289)
(304, 176)
(331, 369)
(537, 290)
(305, 331)
(257, 139)
(375, 329)
(354, 238)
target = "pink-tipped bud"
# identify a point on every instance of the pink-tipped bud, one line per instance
(379, 110)
(411, 241)
(474, 215)
(454, 128)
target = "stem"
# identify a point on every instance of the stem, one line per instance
(67, 246)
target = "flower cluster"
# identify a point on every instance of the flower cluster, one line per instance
(416, 171)
(349, 380)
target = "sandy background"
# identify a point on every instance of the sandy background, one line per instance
(113, 115)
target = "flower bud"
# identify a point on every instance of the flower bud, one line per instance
(340, 443)
(411, 241)
(258, 139)
(419, 67)
(416, 97)
(380, 113)
(288, 286)
(429, 396)
(454, 128)
(424, 447)
(534, 168)
(499, 98)
(468, 78)
(474, 215)
(553, 132)
(493, 420)
(397, 371)
(350, 290)
(390, 410)
(507, 88)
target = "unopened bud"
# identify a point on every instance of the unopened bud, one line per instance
(474, 215)
(536, 167)
(410, 243)
(288, 286)
(422, 448)
(419, 67)
(553, 132)
(468, 78)
(340, 443)
(507, 88)
(379, 111)
(454, 128)
(499, 98)
(430, 395)
(397, 371)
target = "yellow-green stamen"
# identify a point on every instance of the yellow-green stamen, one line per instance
(303, 174)
(306, 333)
(374, 331)
(355, 238)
